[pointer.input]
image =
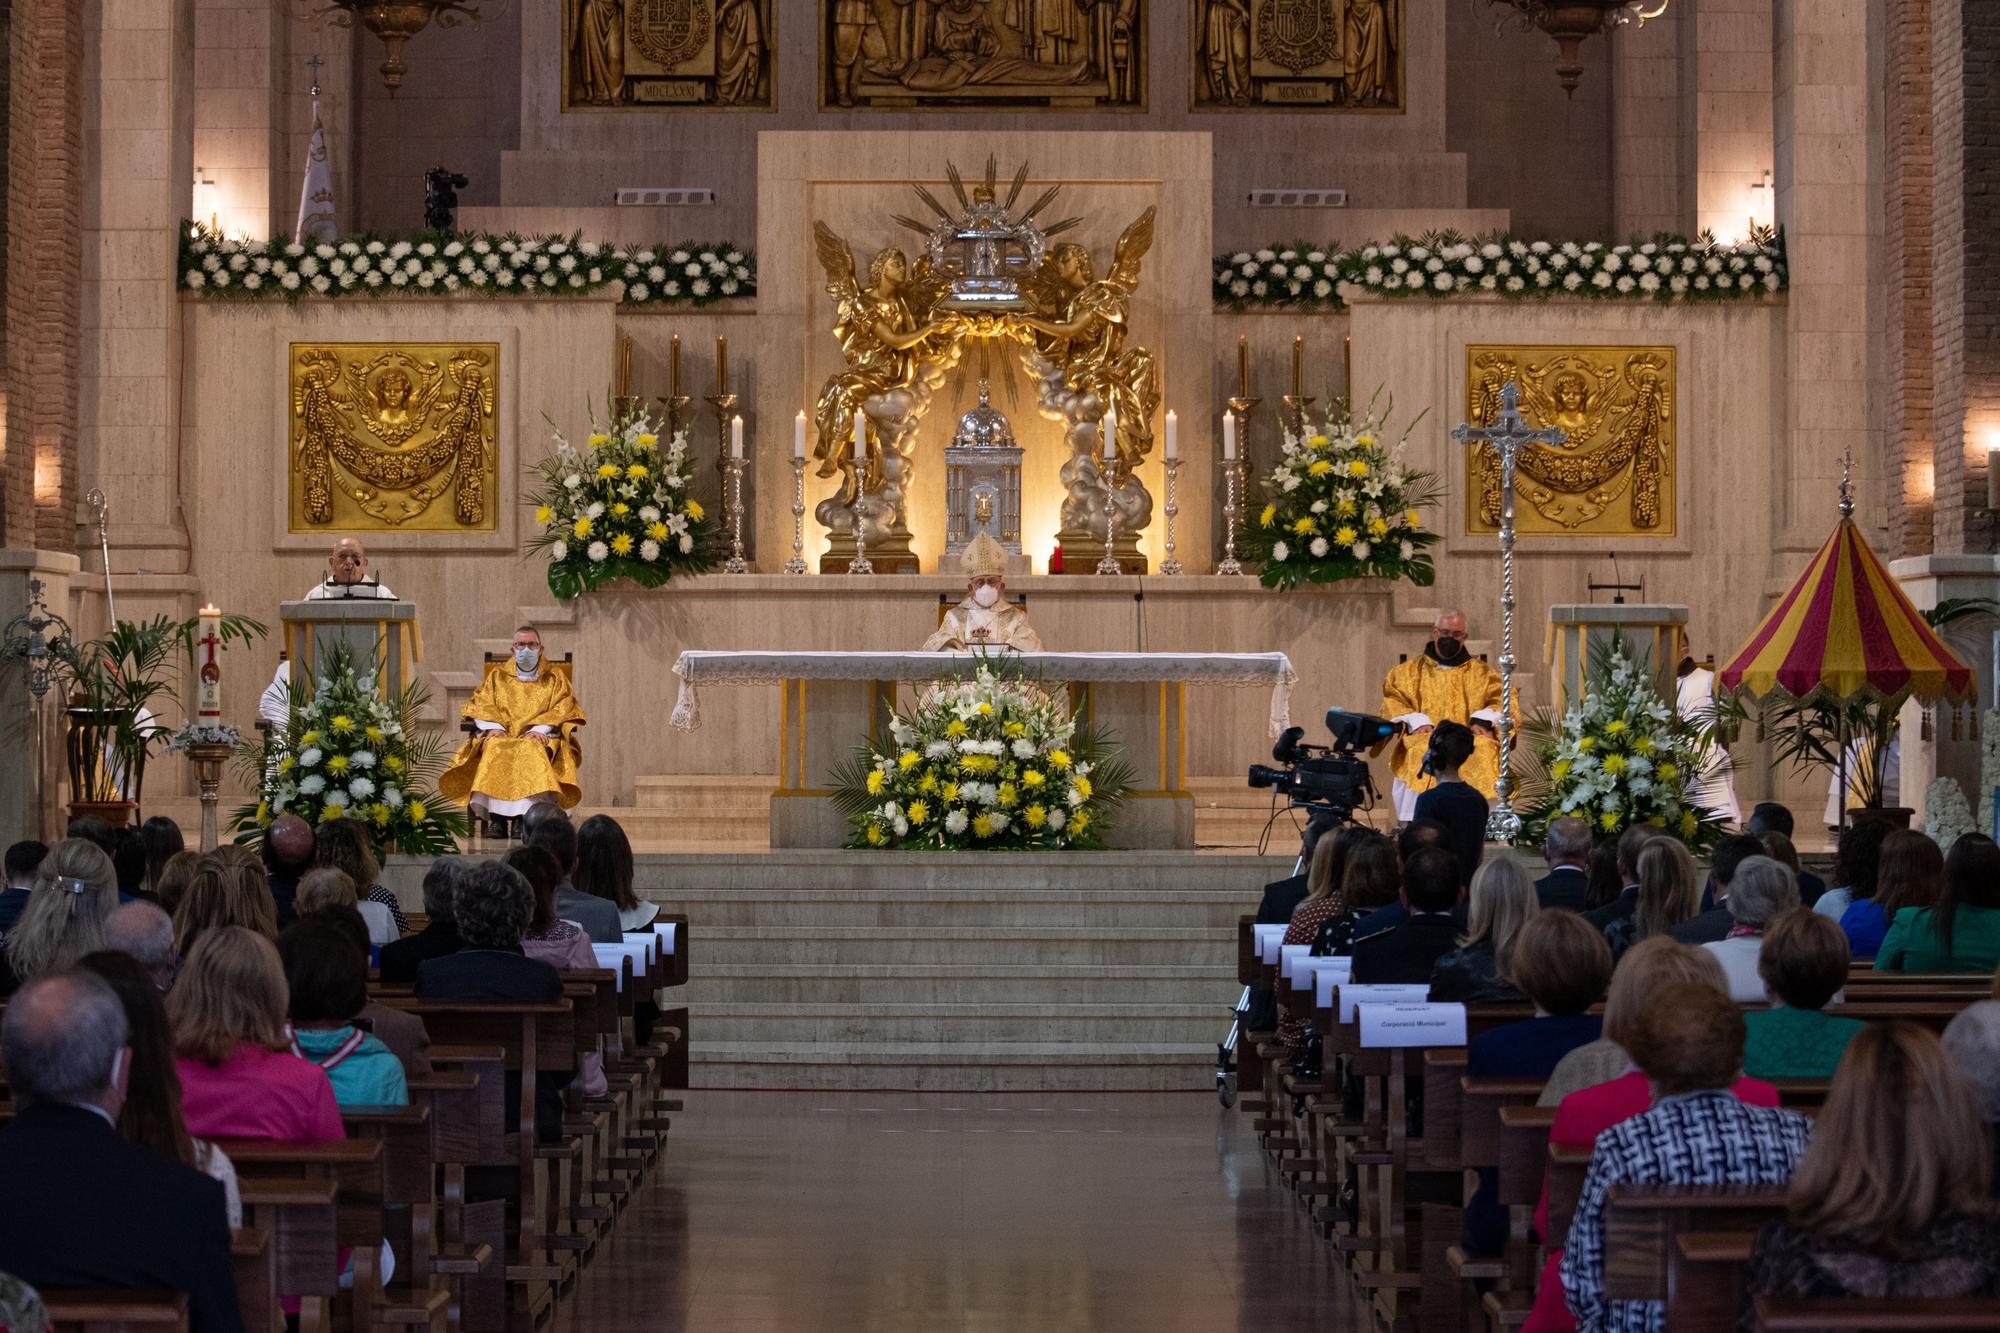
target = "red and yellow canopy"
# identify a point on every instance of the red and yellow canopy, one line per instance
(1845, 630)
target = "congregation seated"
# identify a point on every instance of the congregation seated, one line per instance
(604, 869)
(346, 844)
(1760, 891)
(401, 1031)
(549, 829)
(1801, 965)
(1962, 932)
(1715, 921)
(128, 864)
(1411, 839)
(326, 979)
(1367, 878)
(174, 878)
(1689, 1044)
(1605, 881)
(1910, 874)
(152, 1115)
(1408, 950)
(75, 890)
(145, 934)
(1566, 848)
(83, 1206)
(162, 840)
(561, 944)
(1478, 970)
(1624, 855)
(399, 960)
(1771, 823)
(1323, 903)
(239, 1078)
(1972, 1040)
(224, 892)
(1668, 894)
(22, 861)
(1454, 802)
(1891, 1199)
(323, 887)
(288, 851)
(1856, 859)
(1281, 897)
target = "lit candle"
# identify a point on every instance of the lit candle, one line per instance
(1242, 365)
(674, 363)
(208, 655)
(1110, 432)
(1229, 437)
(1298, 366)
(1173, 435)
(860, 438)
(721, 365)
(736, 437)
(799, 435)
(625, 369)
(1347, 366)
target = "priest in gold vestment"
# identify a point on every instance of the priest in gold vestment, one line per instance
(525, 750)
(985, 619)
(1445, 684)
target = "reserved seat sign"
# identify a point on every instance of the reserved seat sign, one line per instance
(1412, 1025)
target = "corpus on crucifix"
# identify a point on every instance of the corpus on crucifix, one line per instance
(1507, 436)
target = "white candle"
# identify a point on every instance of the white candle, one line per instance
(1229, 437)
(736, 438)
(208, 666)
(1110, 432)
(1173, 435)
(799, 436)
(860, 437)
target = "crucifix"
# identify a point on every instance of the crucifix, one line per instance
(314, 61)
(1508, 436)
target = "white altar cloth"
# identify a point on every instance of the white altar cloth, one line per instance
(698, 667)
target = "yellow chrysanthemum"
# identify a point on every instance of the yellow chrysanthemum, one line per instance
(418, 811)
(1083, 785)
(955, 728)
(982, 826)
(380, 814)
(622, 544)
(1014, 730)
(1059, 759)
(1378, 528)
(342, 723)
(647, 440)
(948, 792)
(329, 813)
(287, 764)
(1031, 778)
(978, 763)
(637, 472)
(1344, 536)
(1320, 468)
(1669, 771)
(608, 470)
(1559, 770)
(1343, 509)
(1306, 526)
(1615, 727)
(1358, 468)
(1614, 764)
(1365, 441)
(1586, 743)
(657, 531)
(1079, 821)
(263, 812)
(1689, 823)
(908, 760)
(310, 738)
(875, 781)
(1009, 796)
(695, 511)
(1036, 815)
(918, 813)
(583, 526)
(393, 764)
(1268, 517)
(373, 733)
(1644, 745)
(1608, 821)
(1319, 441)
(876, 837)
(544, 515)
(599, 440)
(338, 764)
(620, 509)
(985, 710)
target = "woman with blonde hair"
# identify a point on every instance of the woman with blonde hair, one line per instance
(224, 893)
(174, 878)
(1891, 1197)
(75, 889)
(1503, 901)
(325, 887)
(1669, 893)
(239, 1078)
(1324, 902)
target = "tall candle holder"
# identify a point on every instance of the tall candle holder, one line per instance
(724, 405)
(208, 761)
(675, 405)
(1172, 565)
(797, 564)
(859, 564)
(735, 564)
(1295, 408)
(1109, 564)
(1229, 563)
(1242, 407)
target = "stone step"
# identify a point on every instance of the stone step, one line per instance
(921, 1023)
(668, 830)
(875, 984)
(966, 946)
(954, 1066)
(936, 910)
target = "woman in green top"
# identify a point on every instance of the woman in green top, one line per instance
(1960, 934)
(1804, 964)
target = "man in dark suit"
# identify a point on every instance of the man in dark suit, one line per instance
(1409, 951)
(549, 829)
(1715, 923)
(1566, 848)
(439, 937)
(1282, 896)
(1416, 835)
(1630, 842)
(83, 1206)
(288, 854)
(1770, 817)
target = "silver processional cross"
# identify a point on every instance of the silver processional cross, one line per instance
(1508, 435)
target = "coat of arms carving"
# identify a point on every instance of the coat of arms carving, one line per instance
(1296, 55)
(667, 31)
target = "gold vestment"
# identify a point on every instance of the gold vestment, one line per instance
(512, 765)
(1443, 694)
(1006, 625)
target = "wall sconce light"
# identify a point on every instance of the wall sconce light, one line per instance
(1763, 205)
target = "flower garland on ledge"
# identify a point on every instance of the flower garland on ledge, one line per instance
(1444, 264)
(435, 263)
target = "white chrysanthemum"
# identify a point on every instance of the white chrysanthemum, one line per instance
(560, 550)
(595, 509)
(1057, 818)
(649, 549)
(686, 543)
(361, 789)
(649, 513)
(312, 786)
(956, 822)
(1280, 551)
(362, 759)
(597, 550)
(1319, 547)
(310, 756)
(1024, 749)
(1074, 797)
(1362, 550)
(939, 749)
(1000, 820)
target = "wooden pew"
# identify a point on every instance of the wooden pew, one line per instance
(254, 1265)
(110, 1310)
(1643, 1225)
(1855, 1314)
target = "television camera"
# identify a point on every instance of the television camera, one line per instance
(1331, 778)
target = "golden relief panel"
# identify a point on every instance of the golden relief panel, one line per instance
(650, 54)
(1011, 55)
(1296, 55)
(1616, 473)
(393, 437)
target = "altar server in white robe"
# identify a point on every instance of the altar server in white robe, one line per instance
(347, 576)
(1714, 785)
(985, 619)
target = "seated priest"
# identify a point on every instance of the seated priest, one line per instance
(985, 619)
(346, 576)
(524, 750)
(1445, 684)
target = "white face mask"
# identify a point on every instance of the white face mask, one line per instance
(986, 594)
(527, 659)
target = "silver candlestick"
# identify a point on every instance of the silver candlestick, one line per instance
(797, 564)
(1508, 435)
(1230, 564)
(1172, 565)
(1109, 564)
(735, 564)
(859, 564)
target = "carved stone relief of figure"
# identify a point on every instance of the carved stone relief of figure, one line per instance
(1020, 54)
(599, 75)
(647, 54)
(1226, 48)
(1371, 51)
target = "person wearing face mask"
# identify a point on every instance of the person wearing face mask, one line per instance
(985, 619)
(525, 748)
(1446, 684)
(346, 577)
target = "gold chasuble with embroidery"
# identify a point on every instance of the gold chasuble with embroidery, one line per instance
(970, 626)
(514, 764)
(1443, 694)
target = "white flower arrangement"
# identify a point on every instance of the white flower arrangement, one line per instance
(434, 263)
(191, 734)
(1947, 814)
(1440, 265)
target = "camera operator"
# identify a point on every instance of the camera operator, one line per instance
(1282, 896)
(1454, 802)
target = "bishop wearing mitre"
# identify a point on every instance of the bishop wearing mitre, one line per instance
(1445, 684)
(525, 749)
(985, 619)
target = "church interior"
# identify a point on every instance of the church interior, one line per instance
(974, 667)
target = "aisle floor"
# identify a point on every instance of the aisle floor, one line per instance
(811, 1212)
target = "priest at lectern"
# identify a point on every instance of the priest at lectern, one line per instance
(985, 619)
(525, 749)
(346, 576)
(1446, 684)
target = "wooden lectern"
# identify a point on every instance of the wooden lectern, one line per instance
(373, 628)
(1653, 632)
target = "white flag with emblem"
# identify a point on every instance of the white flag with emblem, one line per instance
(316, 196)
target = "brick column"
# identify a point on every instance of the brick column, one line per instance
(1908, 205)
(1965, 239)
(57, 253)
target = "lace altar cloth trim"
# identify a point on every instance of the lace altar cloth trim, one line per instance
(698, 667)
